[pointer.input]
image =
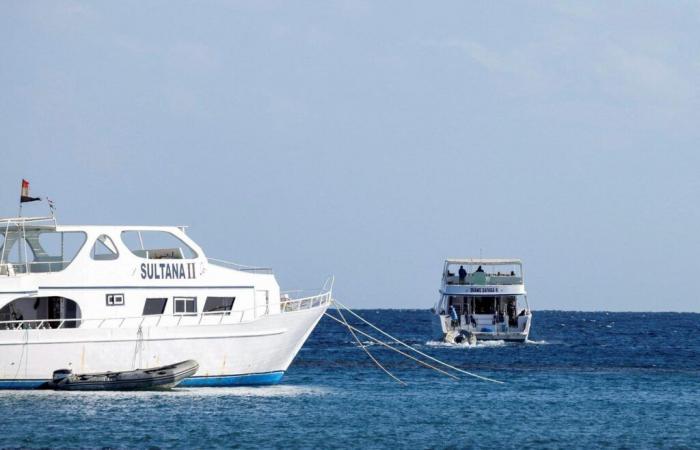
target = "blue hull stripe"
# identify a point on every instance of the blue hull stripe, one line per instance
(21, 384)
(251, 379)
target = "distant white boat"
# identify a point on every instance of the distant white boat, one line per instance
(483, 299)
(116, 298)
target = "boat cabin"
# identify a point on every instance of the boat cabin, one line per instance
(56, 276)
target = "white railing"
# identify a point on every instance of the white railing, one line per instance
(241, 267)
(166, 320)
(33, 267)
(314, 301)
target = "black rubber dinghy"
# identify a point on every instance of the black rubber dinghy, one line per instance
(165, 377)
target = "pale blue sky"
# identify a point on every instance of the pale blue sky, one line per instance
(371, 140)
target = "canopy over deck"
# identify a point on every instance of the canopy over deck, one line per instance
(483, 261)
(13, 224)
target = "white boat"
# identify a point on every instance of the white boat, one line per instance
(116, 298)
(483, 299)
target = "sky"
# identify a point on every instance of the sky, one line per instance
(372, 140)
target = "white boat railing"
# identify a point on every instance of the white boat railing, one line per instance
(170, 320)
(299, 304)
(240, 267)
(495, 326)
(18, 268)
(11, 269)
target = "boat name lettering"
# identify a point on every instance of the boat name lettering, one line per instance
(483, 289)
(168, 271)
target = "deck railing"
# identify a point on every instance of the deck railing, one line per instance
(167, 320)
(240, 267)
(12, 269)
(313, 301)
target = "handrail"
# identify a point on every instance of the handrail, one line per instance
(21, 268)
(232, 316)
(241, 267)
(27, 219)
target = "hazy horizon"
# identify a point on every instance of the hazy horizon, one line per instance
(372, 140)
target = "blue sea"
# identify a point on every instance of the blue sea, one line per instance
(620, 380)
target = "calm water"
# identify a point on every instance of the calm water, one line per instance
(588, 379)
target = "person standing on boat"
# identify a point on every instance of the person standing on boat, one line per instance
(462, 274)
(454, 316)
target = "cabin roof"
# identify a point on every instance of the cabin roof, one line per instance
(483, 261)
(50, 223)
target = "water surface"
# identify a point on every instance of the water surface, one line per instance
(586, 379)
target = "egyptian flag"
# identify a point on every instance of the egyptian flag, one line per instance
(24, 196)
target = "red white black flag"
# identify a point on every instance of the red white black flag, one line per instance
(24, 195)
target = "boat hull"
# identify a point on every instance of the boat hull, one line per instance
(250, 353)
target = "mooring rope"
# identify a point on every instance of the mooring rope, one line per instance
(138, 349)
(367, 351)
(457, 369)
(25, 349)
(392, 348)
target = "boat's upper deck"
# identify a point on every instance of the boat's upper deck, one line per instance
(482, 272)
(37, 245)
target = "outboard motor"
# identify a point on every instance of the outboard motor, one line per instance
(461, 337)
(60, 375)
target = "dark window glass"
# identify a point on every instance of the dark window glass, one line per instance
(154, 306)
(185, 305)
(484, 305)
(215, 304)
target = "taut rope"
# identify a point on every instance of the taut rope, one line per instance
(402, 383)
(444, 364)
(350, 327)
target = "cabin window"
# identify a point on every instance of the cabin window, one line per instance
(219, 304)
(154, 306)
(41, 312)
(185, 305)
(39, 250)
(154, 244)
(104, 249)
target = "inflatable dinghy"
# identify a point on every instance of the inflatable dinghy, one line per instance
(165, 377)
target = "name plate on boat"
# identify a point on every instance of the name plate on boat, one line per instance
(483, 289)
(461, 289)
(168, 271)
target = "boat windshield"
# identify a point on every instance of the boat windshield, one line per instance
(38, 250)
(479, 274)
(156, 244)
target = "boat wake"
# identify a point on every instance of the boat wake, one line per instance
(280, 390)
(254, 391)
(479, 344)
(483, 344)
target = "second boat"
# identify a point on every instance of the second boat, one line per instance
(483, 299)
